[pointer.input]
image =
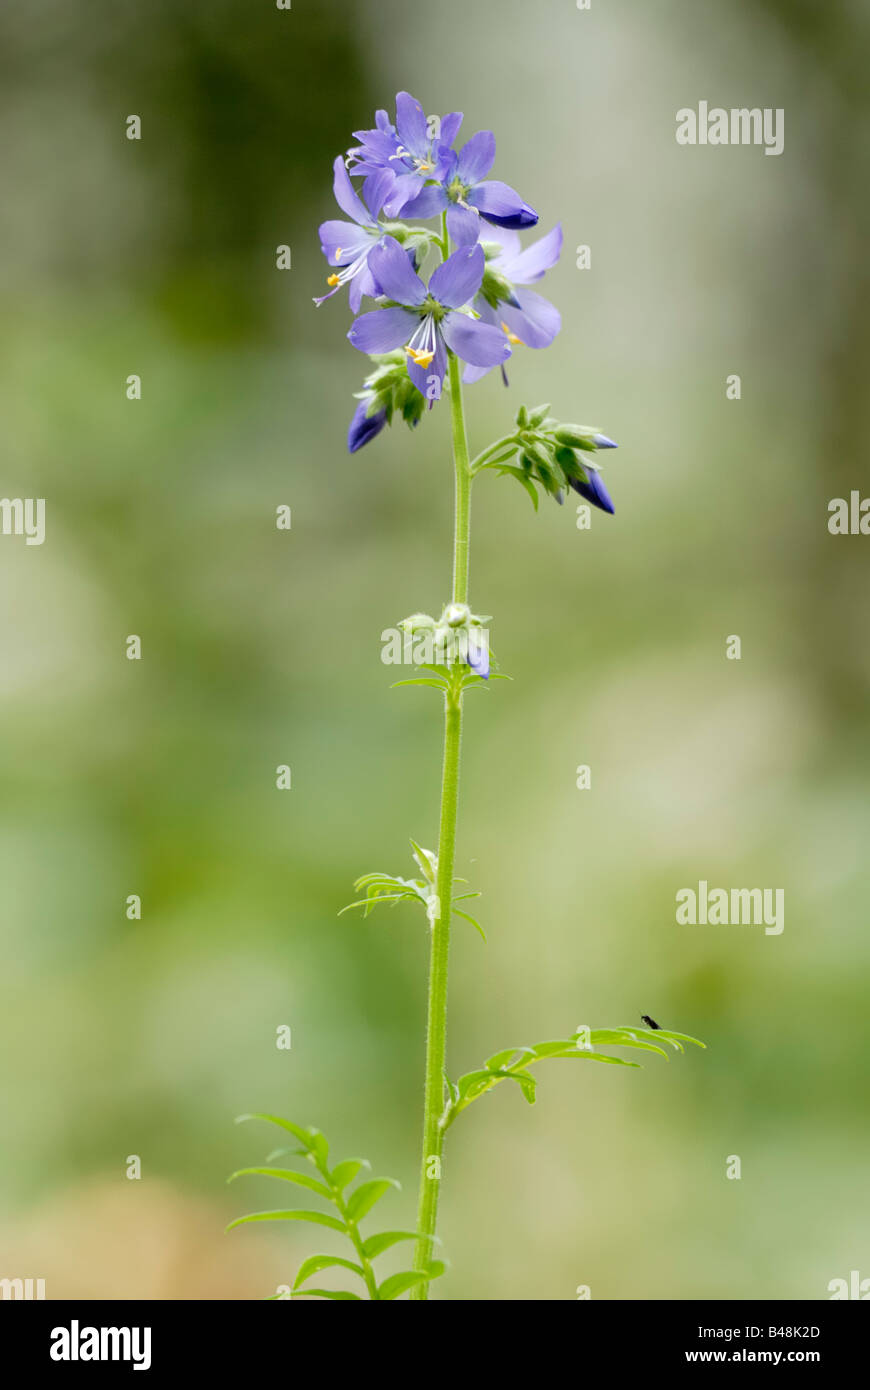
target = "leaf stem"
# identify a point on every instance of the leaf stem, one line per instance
(436, 1033)
(357, 1242)
(485, 454)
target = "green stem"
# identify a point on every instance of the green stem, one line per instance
(462, 521)
(357, 1242)
(436, 1033)
(493, 449)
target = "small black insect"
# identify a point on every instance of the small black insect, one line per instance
(650, 1022)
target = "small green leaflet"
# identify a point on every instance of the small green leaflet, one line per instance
(351, 1205)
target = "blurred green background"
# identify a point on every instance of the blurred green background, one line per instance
(262, 647)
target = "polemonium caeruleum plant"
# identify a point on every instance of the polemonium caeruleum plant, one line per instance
(426, 336)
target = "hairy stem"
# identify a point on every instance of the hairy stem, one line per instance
(436, 1035)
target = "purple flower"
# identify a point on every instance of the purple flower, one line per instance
(406, 150)
(466, 194)
(349, 244)
(425, 320)
(524, 316)
(363, 426)
(478, 655)
(594, 490)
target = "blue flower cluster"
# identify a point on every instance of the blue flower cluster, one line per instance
(476, 303)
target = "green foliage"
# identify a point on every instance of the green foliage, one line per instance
(542, 453)
(389, 388)
(331, 1186)
(384, 888)
(513, 1063)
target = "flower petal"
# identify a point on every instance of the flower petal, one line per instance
(429, 201)
(374, 149)
(382, 330)
(487, 315)
(424, 378)
(367, 282)
(463, 224)
(472, 374)
(342, 242)
(476, 157)
(536, 322)
(502, 204)
(361, 284)
(377, 189)
(392, 270)
(346, 195)
(478, 653)
(507, 239)
(531, 264)
(450, 127)
(458, 278)
(475, 342)
(411, 124)
(405, 189)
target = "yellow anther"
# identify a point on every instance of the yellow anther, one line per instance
(423, 165)
(419, 357)
(512, 337)
(337, 252)
(333, 279)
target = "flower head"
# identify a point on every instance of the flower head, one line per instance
(426, 320)
(463, 191)
(349, 244)
(458, 637)
(524, 317)
(408, 151)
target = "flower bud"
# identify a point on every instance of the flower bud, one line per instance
(418, 622)
(592, 488)
(577, 436)
(364, 426)
(456, 614)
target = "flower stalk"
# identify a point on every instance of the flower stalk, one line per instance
(436, 1028)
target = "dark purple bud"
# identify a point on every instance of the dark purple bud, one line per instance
(594, 491)
(517, 221)
(364, 427)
